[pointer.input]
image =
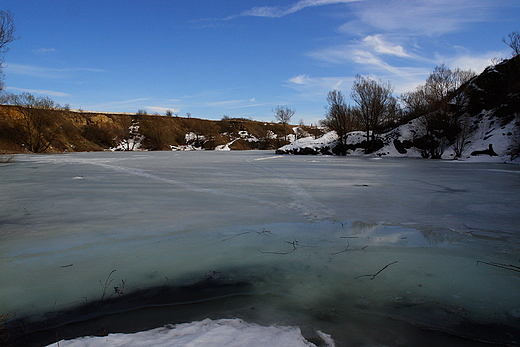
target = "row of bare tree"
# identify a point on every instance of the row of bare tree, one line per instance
(376, 109)
(38, 121)
(6, 36)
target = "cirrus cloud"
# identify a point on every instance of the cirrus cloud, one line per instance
(278, 11)
(318, 86)
(39, 91)
(44, 72)
(381, 46)
(419, 17)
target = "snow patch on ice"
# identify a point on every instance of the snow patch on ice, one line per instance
(208, 333)
(185, 148)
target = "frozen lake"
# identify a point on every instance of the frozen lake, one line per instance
(372, 251)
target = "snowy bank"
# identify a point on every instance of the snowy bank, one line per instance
(489, 142)
(208, 333)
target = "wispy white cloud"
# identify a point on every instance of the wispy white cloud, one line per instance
(279, 11)
(318, 86)
(335, 55)
(300, 79)
(264, 11)
(44, 72)
(253, 104)
(381, 46)
(419, 17)
(233, 104)
(466, 61)
(224, 103)
(385, 37)
(364, 51)
(374, 56)
(402, 78)
(369, 62)
(46, 50)
(38, 91)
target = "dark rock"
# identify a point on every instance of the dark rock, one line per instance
(488, 151)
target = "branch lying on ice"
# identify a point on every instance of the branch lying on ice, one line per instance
(345, 250)
(264, 232)
(293, 243)
(377, 273)
(237, 235)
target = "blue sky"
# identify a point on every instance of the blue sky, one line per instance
(242, 58)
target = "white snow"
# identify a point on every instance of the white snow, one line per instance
(133, 142)
(185, 148)
(191, 136)
(207, 333)
(311, 142)
(226, 146)
(223, 147)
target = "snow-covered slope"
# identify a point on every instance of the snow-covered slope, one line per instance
(491, 112)
(488, 132)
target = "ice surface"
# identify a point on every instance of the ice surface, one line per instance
(324, 243)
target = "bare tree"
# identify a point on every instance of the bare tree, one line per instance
(434, 94)
(283, 114)
(416, 103)
(440, 82)
(431, 102)
(462, 141)
(6, 36)
(513, 41)
(6, 30)
(443, 81)
(300, 131)
(39, 122)
(339, 118)
(376, 106)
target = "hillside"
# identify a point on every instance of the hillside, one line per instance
(483, 122)
(31, 129)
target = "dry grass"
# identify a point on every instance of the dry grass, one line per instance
(87, 131)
